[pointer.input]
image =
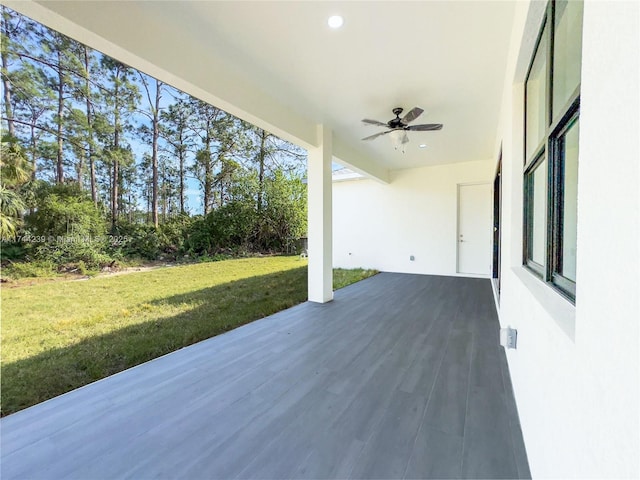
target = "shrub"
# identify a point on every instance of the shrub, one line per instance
(65, 210)
(12, 251)
(62, 253)
(284, 216)
(198, 239)
(136, 240)
(173, 234)
(68, 226)
(38, 268)
(232, 225)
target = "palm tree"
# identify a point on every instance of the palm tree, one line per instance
(14, 172)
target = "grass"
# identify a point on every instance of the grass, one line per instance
(61, 335)
(342, 277)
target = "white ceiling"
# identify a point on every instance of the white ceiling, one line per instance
(279, 65)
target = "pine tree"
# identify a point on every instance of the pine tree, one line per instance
(121, 97)
(7, 32)
(179, 138)
(61, 56)
(153, 89)
(209, 121)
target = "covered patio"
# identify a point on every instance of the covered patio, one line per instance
(401, 376)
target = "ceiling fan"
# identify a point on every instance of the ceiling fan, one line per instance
(400, 126)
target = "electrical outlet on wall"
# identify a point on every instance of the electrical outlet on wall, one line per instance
(508, 337)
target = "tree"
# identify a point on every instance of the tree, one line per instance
(14, 172)
(61, 56)
(121, 97)
(225, 178)
(285, 212)
(6, 39)
(179, 137)
(209, 124)
(26, 93)
(128, 202)
(269, 153)
(94, 120)
(154, 115)
(75, 112)
(167, 190)
(68, 214)
(202, 170)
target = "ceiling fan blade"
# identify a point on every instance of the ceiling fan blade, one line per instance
(425, 127)
(373, 122)
(376, 135)
(412, 115)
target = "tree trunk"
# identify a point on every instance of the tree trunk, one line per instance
(165, 199)
(80, 171)
(261, 158)
(91, 160)
(115, 159)
(34, 154)
(6, 84)
(207, 185)
(207, 171)
(114, 193)
(148, 195)
(154, 155)
(87, 67)
(92, 173)
(60, 156)
(181, 172)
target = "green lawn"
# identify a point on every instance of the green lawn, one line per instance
(61, 335)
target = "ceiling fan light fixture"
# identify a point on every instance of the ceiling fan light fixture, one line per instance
(398, 139)
(335, 21)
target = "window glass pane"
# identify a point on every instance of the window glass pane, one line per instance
(567, 51)
(536, 87)
(539, 213)
(570, 202)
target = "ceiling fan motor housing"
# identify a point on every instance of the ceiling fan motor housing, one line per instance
(396, 122)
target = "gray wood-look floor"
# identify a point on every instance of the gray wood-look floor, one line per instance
(401, 376)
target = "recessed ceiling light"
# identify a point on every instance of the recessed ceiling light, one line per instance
(423, 145)
(335, 21)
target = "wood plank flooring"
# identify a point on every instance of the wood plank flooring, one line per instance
(401, 376)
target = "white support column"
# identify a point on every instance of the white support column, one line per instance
(319, 187)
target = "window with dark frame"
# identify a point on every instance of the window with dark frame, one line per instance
(565, 211)
(552, 111)
(535, 215)
(497, 219)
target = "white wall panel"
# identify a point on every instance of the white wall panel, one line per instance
(381, 226)
(576, 372)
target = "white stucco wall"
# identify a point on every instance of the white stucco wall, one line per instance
(381, 225)
(576, 372)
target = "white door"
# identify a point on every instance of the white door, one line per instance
(474, 229)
